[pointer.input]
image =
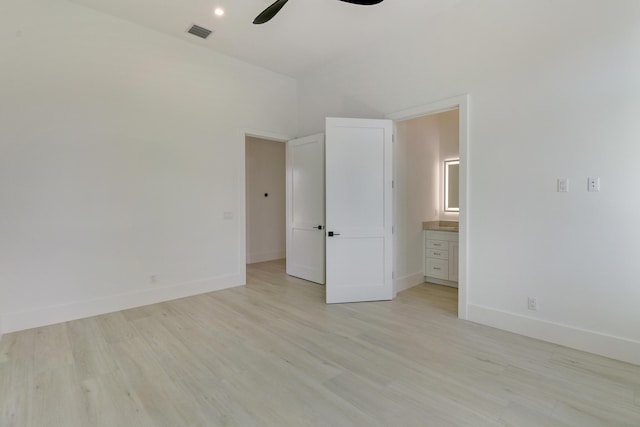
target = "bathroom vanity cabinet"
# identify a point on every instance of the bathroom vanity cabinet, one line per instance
(441, 257)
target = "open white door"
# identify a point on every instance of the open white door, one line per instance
(359, 210)
(305, 208)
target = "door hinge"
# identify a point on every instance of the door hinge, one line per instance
(393, 137)
(393, 229)
(393, 184)
(393, 274)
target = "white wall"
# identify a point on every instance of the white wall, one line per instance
(449, 134)
(554, 91)
(120, 150)
(266, 216)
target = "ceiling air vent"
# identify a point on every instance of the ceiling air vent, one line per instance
(199, 31)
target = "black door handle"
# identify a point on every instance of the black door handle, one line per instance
(319, 227)
(331, 234)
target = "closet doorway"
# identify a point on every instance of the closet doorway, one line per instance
(265, 192)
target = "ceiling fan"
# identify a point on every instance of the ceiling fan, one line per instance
(272, 10)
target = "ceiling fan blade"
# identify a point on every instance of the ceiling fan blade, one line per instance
(363, 2)
(270, 12)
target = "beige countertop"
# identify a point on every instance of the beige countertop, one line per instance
(441, 226)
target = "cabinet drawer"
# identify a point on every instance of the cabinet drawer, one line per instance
(449, 236)
(438, 244)
(438, 253)
(438, 268)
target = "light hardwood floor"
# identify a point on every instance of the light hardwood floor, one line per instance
(273, 354)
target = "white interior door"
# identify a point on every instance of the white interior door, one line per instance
(359, 210)
(305, 208)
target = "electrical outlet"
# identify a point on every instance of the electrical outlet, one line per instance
(532, 303)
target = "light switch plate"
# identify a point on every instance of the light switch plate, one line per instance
(563, 185)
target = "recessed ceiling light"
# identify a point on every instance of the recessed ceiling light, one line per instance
(219, 11)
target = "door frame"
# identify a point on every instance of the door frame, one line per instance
(461, 103)
(242, 182)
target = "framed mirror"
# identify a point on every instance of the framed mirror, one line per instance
(451, 185)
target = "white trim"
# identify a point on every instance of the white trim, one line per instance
(264, 134)
(253, 258)
(409, 281)
(428, 109)
(462, 104)
(63, 313)
(593, 342)
(442, 282)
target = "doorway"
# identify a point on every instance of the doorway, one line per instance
(424, 145)
(264, 199)
(407, 251)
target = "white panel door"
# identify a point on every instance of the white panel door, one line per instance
(359, 210)
(305, 208)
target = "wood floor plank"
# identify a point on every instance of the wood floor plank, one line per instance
(56, 399)
(274, 354)
(579, 414)
(517, 415)
(176, 359)
(456, 403)
(366, 396)
(17, 373)
(109, 401)
(52, 348)
(136, 359)
(91, 352)
(14, 398)
(543, 383)
(601, 369)
(115, 327)
(212, 397)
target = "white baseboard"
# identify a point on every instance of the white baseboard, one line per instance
(442, 282)
(406, 282)
(606, 345)
(21, 320)
(253, 258)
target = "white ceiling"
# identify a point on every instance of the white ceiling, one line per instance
(304, 35)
